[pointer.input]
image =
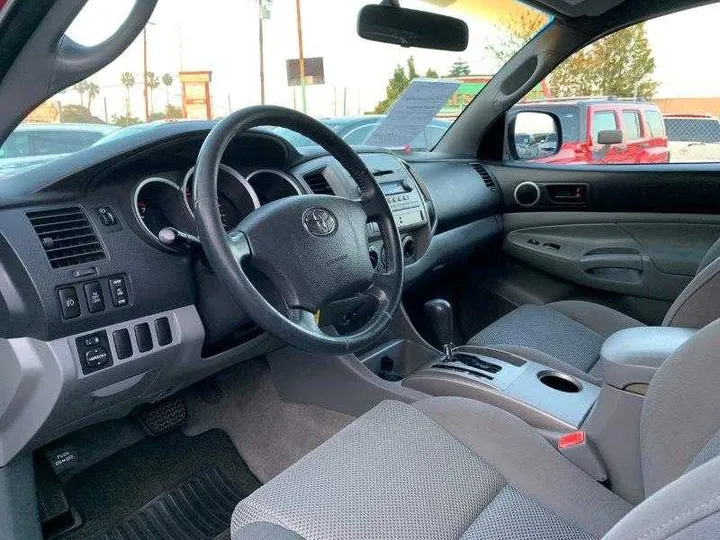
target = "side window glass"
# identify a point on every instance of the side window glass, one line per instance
(655, 123)
(633, 131)
(635, 80)
(603, 121)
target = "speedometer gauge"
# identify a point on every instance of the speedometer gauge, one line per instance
(236, 198)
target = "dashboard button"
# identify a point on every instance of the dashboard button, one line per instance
(94, 297)
(92, 341)
(118, 291)
(164, 333)
(143, 337)
(96, 358)
(107, 216)
(69, 304)
(123, 346)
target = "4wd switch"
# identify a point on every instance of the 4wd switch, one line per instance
(118, 291)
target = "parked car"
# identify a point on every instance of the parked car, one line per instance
(693, 137)
(355, 130)
(638, 125)
(34, 144)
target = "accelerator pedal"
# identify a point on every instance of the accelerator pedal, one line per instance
(163, 417)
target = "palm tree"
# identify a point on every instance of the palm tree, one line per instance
(93, 90)
(127, 79)
(81, 88)
(167, 80)
(153, 81)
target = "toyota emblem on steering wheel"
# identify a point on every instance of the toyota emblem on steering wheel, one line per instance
(319, 221)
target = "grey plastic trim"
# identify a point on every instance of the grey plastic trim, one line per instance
(232, 172)
(538, 193)
(136, 210)
(19, 519)
(633, 355)
(516, 389)
(613, 427)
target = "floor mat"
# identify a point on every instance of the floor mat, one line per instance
(117, 490)
(199, 509)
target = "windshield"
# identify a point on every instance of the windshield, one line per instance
(202, 61)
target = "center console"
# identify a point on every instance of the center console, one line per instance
(544, 398)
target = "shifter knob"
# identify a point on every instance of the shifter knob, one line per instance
(440, 313)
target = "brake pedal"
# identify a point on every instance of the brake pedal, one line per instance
(163, 417)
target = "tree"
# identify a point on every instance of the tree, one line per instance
(432, 74)
(398, 83)
(127, 79)
(81, 88)
(459, 69)
(153, 82)
(621, 64)
(514, 33)
(78, 114)
(167, 81)
(93, 90)
(125, 120)
(173, 113)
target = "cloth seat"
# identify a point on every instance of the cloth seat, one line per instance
(443, 468)
(453, 468)
(568, 335)
(563, 335)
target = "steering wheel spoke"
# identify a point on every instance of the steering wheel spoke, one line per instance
(306, 320)
(239, 245)
(313, 249)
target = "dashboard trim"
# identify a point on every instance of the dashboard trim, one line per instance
(232, 172)
(136, 212)
(293, 183)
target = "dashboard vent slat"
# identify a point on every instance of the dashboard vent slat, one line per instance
(318, 183)
(67, 236)
(489, 182)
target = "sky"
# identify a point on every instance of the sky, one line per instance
(222, 36)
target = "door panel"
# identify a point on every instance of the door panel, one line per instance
(600, 256)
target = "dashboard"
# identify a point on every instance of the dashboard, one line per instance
(99, 315)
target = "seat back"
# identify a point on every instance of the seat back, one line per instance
(699, 303)
(680, 421)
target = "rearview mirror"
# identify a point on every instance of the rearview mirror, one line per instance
(412, 28)
(534, 135)
(610, 136)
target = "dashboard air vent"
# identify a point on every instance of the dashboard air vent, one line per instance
(489, 182)
(67, 236)
(318, 183)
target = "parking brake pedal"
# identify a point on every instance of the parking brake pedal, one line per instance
(163, 417)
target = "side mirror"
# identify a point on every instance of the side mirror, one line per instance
(412, 28)
(534, 135)
(610, 136)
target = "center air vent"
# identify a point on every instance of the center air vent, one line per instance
(67, 236)
(318, 183)
(489, 182)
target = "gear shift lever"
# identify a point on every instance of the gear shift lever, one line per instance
(440, 313)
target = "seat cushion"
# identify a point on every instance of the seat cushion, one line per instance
(571, 332)
(422, 472)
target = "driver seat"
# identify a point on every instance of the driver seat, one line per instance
(449, 468)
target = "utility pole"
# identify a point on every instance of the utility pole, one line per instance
(301, 56)
(145, 72)
(261, 18)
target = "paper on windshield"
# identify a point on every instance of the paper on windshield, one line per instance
(414, 110)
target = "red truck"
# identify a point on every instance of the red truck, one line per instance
(605, 130)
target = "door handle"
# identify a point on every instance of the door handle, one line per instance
(611, 260)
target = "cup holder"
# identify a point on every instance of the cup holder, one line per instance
(560, 382)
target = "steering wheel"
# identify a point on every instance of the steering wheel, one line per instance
(312, 248)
